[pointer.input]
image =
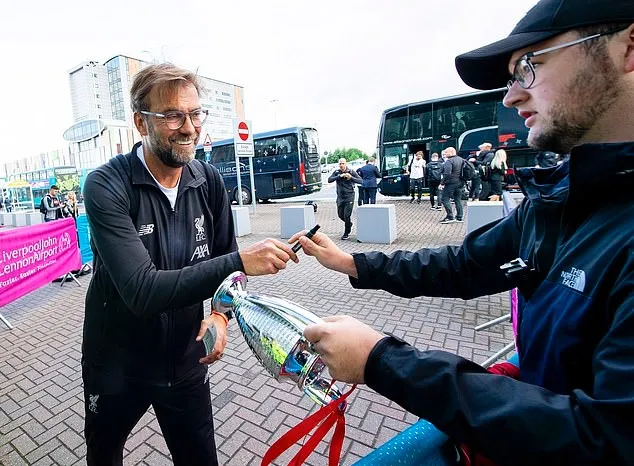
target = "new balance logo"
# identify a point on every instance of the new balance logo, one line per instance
(200, 252)
(146, 229)
(575, 279)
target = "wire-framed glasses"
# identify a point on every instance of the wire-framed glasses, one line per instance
(175, 120)
(524, 70)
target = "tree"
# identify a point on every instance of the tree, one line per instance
(348, 154)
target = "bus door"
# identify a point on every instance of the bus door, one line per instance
(415, 147)
(310, 165)
(394, 161)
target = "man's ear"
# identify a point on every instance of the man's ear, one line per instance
(140, 123)
(629, 54)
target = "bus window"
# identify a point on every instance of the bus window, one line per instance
(395, 127)
(420, 123)
(394, 159)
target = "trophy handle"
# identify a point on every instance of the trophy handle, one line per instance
(232, 286)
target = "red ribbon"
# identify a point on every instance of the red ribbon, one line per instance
(323, 419)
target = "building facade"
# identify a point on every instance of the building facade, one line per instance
(104, 126)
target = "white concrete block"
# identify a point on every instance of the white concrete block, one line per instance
(19, 219)
(296, 218)
(376, 223)
(34, 218)
(480, 213)
(241, 221)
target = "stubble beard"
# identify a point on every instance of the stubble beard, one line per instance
(172, 156)
(582, 104)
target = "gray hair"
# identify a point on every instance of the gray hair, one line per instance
(165, 75)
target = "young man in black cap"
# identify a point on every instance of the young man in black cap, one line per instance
(571, 69)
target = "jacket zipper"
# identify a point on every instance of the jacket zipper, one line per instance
(170, 314)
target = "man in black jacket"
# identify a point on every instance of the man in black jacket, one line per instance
(452, 185)
(163, 240)
(574, 399)
(345, 178)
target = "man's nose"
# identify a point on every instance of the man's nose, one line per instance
(515, 95)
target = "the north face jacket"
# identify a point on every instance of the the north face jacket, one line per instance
(153, 267)
(575, 401)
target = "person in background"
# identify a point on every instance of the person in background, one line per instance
(361, 188)
(369, 173)
(345, 179)
(163, 240)
(71, 208)
(52, 205)
(434, 178)
(451, 186)
(416, 172)
(498, 174)
(569, 69)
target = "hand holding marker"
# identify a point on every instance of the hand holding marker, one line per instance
(296, 247)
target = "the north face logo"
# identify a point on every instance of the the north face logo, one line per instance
(575, 279)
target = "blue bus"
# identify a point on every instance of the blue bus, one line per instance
(463, 121)
(286, 164)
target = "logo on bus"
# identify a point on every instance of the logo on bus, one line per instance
(231, 169)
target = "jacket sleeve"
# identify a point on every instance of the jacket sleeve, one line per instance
(513, 422)
(465, 271)
(446, 168)
(144, 289)
(355, 177)
(334, 176)
(48, 204)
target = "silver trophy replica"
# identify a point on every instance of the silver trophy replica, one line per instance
(273, 329)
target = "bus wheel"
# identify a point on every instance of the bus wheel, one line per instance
(246, 195)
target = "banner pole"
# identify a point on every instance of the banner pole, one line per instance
(5, 322)
(68, 276)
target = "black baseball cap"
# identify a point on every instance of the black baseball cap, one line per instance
(487, 67)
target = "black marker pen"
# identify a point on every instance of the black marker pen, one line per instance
(297, 246)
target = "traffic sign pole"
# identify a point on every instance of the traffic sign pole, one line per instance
(243, 145)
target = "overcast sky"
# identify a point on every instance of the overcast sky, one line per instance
(334, 64)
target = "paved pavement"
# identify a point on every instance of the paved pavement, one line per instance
(41, 399)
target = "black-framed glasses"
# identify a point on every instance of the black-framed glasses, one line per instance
(524, 70)
(175, 120)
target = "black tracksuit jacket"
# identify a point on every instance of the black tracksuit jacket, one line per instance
(153, 267)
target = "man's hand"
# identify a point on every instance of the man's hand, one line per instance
(221, 337)
(344, 344)
(266, 257)
(326, 252)
(346, 176)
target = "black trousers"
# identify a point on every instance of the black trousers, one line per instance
(183, 411)
(369, 196)
(362, 196)
(434, 192)
(452, 191)
(416, 187)
(344, 211)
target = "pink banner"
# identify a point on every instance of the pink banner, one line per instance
(31, 257)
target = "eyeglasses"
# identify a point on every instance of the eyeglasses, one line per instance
(175, 120)
(524, 70)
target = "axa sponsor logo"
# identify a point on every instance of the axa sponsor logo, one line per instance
(575, 279)
(200, 252)
(146, 229)
(199, 223)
